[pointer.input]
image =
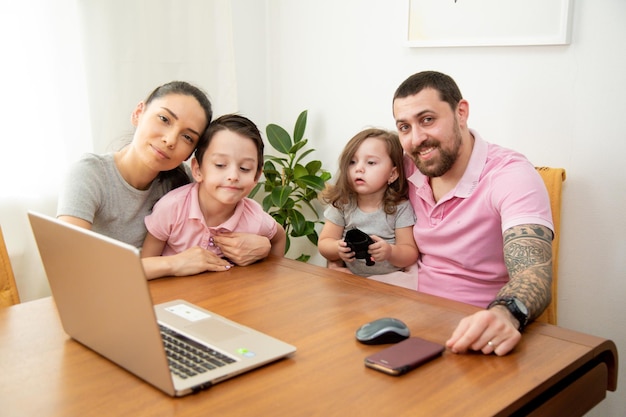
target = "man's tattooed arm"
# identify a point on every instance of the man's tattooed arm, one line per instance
(528, 258)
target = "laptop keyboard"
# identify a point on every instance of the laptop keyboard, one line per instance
(187, 357)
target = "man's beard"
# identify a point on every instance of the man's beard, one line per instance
(436, 167)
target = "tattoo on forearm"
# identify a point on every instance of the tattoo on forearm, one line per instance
(528, 258)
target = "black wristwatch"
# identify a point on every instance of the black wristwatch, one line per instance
(515, 306)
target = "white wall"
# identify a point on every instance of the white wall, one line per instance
(560, 105)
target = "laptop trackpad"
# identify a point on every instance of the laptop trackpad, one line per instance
(214, 330)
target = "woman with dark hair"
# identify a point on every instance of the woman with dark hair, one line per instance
(112, 193)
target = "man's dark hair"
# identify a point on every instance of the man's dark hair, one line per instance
(444, 84)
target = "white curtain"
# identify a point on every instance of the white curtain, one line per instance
(131, 46)
(73, 70)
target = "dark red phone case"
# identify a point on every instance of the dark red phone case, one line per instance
(404, 356)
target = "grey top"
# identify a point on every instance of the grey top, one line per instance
(95, 191)
(376, 223)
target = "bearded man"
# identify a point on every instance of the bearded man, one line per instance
(484, 225)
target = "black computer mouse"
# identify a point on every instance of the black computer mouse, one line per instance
(382, 331)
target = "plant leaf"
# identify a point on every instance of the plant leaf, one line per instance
(312, 181)
(303, 258)
(299, 171)
(297, 146)
(298, 130)
(278, 138)
(280, 195)
(304, 154)
(298, 223)
(280, 161)
(308, 203)
(291, 185)
(309, 228)
(289, 204)
(313, 237)
(267, 203)
(270, 172)
(313, 167)
(281, 218)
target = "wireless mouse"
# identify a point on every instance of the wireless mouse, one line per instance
(382, 331)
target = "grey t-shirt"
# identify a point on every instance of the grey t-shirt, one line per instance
(95, 191)
(376, 223)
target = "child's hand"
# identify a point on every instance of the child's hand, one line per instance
(344, 251)
(338, 266)
(197, 260)
(380, 250)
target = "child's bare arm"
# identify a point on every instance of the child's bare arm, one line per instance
(401, 254)
(192, 261)
(331, 245)
(279, 241)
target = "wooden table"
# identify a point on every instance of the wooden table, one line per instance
(553, 371)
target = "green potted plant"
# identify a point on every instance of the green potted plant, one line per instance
(291, 184)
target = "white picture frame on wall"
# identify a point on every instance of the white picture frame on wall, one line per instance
(448, 23)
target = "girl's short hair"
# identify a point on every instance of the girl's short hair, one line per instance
(237, 124)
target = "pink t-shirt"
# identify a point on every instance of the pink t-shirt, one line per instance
(177, 220)
(460, 236)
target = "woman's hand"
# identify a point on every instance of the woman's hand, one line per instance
(243, 248)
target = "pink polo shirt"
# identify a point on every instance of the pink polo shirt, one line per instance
(177, 220)
(460, 236)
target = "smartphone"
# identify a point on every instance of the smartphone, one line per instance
(404, 356)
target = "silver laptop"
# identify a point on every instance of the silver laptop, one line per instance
(104, 302)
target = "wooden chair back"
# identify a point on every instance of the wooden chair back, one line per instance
(8, 289)
(553, 178)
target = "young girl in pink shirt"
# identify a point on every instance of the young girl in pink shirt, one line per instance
(226, 166)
